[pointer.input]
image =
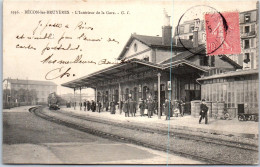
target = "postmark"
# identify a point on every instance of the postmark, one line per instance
(222, 36)
(194, 20)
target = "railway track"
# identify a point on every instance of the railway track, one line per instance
(121, 138)
(187, 136)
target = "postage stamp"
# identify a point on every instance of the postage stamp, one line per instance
(222, 33)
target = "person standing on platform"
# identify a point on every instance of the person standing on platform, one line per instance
(93, 106)
(167, 109)
(99, 106)
(153, 103)
(112, 107)
(203, 111)
(155, 107)
(150, 107)
(142, 107)
(85, 105)
(80, 105)
(107, 105)
(131, 106)
(88, 105)
(182, 106)
(125, 108)
(121, 106)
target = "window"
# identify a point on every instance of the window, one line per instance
(181, 30)
(191, 28)
(247, 18)
(187, 87)
(246, 46)
(212, 62)
(204, 60)
(135, 47)
(247, 29)
(247, 58)
(146, 59)
(191, 37)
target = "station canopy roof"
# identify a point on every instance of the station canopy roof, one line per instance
(231, 74)
(132, 67)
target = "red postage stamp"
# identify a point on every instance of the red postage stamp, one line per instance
(222, 33)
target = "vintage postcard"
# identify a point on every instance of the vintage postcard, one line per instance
(130, 82)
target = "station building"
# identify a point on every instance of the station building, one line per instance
(156, 66)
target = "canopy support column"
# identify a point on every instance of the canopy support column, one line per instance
(96, 95)
(159, 95)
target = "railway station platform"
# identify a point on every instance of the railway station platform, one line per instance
(228, 128)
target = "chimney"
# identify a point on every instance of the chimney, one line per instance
(166, 30)
(196, 33)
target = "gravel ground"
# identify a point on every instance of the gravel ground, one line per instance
(172, 129)
(211, 151)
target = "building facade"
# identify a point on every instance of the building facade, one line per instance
(42, 88)
(238, 89)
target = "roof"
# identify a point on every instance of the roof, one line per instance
(133, 66)
(185, 55)
(31, 82)
(155, 42)
(231, 74)
(199, 50)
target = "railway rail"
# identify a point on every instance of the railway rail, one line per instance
(207, 158)
(183, 135)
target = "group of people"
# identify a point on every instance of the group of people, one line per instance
(88, 105)
(149, 107)
(146, 107)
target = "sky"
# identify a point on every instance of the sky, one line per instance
(145, 18)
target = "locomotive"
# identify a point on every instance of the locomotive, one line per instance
(53, 101)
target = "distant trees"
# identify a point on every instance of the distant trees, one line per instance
(12, 97)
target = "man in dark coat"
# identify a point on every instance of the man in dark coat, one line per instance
(142, 107)
(88, 105)
(112, 107)
(167, 109)
(121, 106)
(203, 111)
(93, 106)
(131, 106)
(150, 107)
(85, 105)
(125, 108)
(182, 107)
(80, 105)
(99, 106)
(107, 105)
(156, 107)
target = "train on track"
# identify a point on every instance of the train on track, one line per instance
(53, 101)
